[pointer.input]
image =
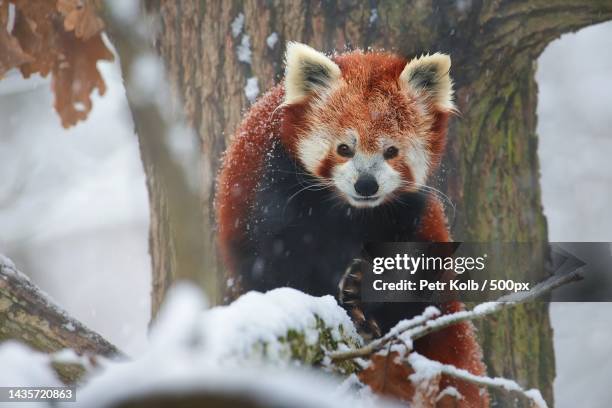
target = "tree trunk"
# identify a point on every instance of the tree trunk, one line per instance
(179, 242)
(491, 169)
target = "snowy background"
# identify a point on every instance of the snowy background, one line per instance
(575, 122)
(73, 206)
(74, 212)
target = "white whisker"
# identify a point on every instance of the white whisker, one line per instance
(432, 190)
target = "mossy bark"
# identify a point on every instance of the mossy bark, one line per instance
(28, 316)
(491, 167)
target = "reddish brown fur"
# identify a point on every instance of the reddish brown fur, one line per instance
(455, 345)
(242, 165)
(371, 102)
(434, 226)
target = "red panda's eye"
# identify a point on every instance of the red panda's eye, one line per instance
(344, 150)
(390, 152)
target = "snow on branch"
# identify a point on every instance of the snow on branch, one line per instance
(431, 321)
(259, 336)
(28, 315)
(254, 352)
(426, 367)
(283, 328)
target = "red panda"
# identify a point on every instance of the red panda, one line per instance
(336, 156)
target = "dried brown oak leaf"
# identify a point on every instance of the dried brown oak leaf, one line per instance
(76, 76)
(80, 16)
(38, 30)
(388, 376)
(11, 53)
(70, 56)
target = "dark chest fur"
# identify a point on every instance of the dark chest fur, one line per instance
(303, 236)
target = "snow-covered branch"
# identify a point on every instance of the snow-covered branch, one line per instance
(426, 367)
(27, 314)
(190, 346)
(401, 337)
(431, 320)
(252, 353)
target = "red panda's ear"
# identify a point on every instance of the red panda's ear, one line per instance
(428, 76)
(307, 71)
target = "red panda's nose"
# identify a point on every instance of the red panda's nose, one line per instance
(366, 185)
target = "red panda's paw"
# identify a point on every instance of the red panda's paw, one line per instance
(349, 288)
(349, 297)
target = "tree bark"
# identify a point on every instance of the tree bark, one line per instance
(491, 170)
(29, 316)
(179, 244)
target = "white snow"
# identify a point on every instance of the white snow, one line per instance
(251, 89)
(575, 143)
(74, 205)
(485, 308)
(171, 370)
(536, 397)
(284, 309)
(21, 366)
(269, 387)
(67, 356)
(244, 50)
(373, 16)
(10, 23)
(126, 11)
(9, 271)
(6, 263)
(402, 326)
(271, 40)
(450, 391)
(235, 333)
(426, 369)
(237, 25)
(574, 148)
(12, 83)
(177, 322)
(463, 5)
(184, 145)
(146, 77)
(195, 351)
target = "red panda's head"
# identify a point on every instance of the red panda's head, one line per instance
(370, 125)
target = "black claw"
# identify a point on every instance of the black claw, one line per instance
(349, 295)
(352, 290)
(373, 326)
(358, 316)
(356, 276)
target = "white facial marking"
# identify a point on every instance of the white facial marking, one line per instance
(417, 158)
(312, 150)
(345, 176)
